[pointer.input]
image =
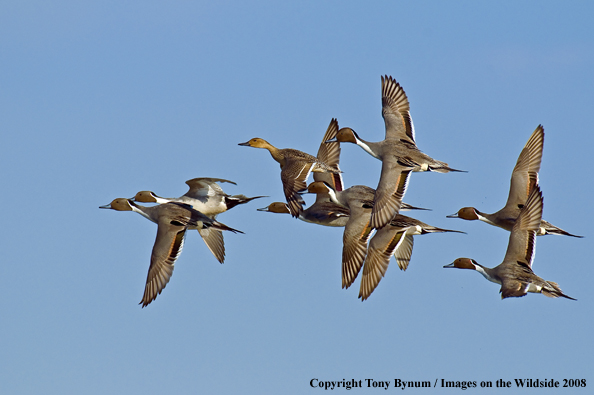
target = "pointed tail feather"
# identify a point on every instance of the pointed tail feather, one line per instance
(234, 200)
(554, 291)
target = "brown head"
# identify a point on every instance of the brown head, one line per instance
(467, 213)
(463, 263)
(276, 207)
(345, 135)
(145, 197)
(256, 142)
(119, 204)
(318, 187)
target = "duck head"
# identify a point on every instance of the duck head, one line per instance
(119, 204)
(256, 142)
(145, 197)
(463, 263)
(345, 135)
(276, 207)
(467, 213)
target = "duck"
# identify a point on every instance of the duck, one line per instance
(524, 177)
(325, 213)
(172, 219)
(207, 197)
(295, 168)
(396, 239)
(320, 213)
(204, 195)
(358, 199)
(398, 151)
(515, 273)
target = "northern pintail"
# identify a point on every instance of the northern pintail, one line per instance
(326, 213)
(515, 273)
(173, 219)
(323, 211)
(207, 197)
(295, 168)
(359, 200)
(398, 151)
(523, 178)
(396, 239)
(204, 195)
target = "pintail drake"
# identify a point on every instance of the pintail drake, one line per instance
(515, 273)
(396, 239)
(326, 213)
(172, 219)
(358, 200)
(524, 177)
(398, 151)
(321, 213)
(204, 195)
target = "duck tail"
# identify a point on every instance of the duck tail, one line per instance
(552, 290)
(434, 229)
(553, 230)
(234, 200)
(442, 167)
(221, 226)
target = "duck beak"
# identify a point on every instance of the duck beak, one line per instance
(246, 144)
(332, 140)
(106, 206)
(262, 209)
(455, 215)
(450, 265)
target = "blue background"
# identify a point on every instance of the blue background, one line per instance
(101, 100)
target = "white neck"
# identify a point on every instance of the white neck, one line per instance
(366, 148)
(486, 275)
(139, 211)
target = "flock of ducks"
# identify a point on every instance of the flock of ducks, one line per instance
(360, 209)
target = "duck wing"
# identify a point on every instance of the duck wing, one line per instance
(167, 248)
(525, 174)
(396, 111)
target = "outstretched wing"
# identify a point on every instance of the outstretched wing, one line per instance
(167, 248)
(396, 111)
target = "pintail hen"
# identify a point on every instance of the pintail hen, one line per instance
(207, 197)
(172, 219)
(295, 168)
(323, 211)
(396, 239)
(515, 273)
(398, 151)
(524, 177)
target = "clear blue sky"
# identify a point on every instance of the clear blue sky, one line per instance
(101, 100)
